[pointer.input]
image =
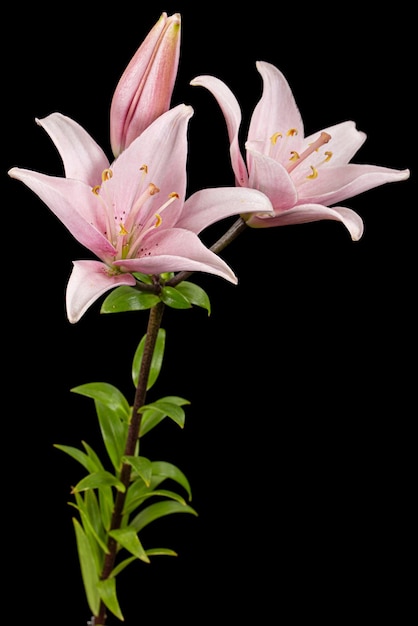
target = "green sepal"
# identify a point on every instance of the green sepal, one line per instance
(195, 295)
(125, 298)
(155, 412)
(156, 361)
(171, 296)
(157, 510)
(97, 480)
(107, 592)
(128, 538)
(107, 394)
(89, 572)
(142, 466)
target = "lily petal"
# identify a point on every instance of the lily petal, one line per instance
(207, 206)
(73, 202)
(82, 157)
(177, 250)
(335, 184)
(87, 282)
(276, 111)
(165, 167)
(270, 177)
(304, 213)
(345, 141)
(232, 112)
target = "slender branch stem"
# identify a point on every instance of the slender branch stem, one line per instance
(232, 233)
(154, 324)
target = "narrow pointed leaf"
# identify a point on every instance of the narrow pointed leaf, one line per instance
(171, 296)
(157, 510)
(114, 432)
(156, 363)
(79, 456)
(142, 467)
(125, 298)
(161, 551)
(168, 409)
(88, 568)
(128, 539)
(88, 527)
(168, 470)
(92, 455)
(107, 592)
(194, 294)
(98, 480)
(108, 395)
(121, 566)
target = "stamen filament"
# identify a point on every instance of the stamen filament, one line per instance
(322, 139)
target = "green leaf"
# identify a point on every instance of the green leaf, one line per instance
(128, 539)
(195, 295)
(142, 467)
(108, 395)
(107, 591)
(79, 456)
(167, 409)
(143, 278)
(106, 503)
(88, 526)
(114, 433)
(125, 298)
(168, 470)
(134, 502)
(121, 566)
(92, 455)
(171, 296)
(161, 551)
(89, 573)
(156, 362)
(157, 510)
(97, 480)
(155, 412)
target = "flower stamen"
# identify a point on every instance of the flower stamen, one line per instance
(322, 139)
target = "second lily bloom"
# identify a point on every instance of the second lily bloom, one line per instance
(302, 176)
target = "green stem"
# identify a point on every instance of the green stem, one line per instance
(154, 324)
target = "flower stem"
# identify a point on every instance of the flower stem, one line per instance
(154, 324)
(232, 233)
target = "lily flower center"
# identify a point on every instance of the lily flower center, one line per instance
(295, 159)
(126, 227)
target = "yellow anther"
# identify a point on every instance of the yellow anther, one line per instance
(152, 189)
(291, 132)
(173, 194)
(107, 174)
(96, 190)
(314, 173)
(144, 168)
(159, 220)
(295, 155)
(122, 230)
(275, 137)
(328, 155)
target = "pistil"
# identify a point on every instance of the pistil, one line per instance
(296, 159)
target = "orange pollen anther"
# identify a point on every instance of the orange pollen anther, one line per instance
(107, 174)
(275, 137)
(153, 189)
(328, 155)
(173, 194)
(96, 190)
(295, 155)
(291, 132)
(314, 173)
(159, 220)
(144, 168)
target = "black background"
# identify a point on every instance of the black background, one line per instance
(299, 440)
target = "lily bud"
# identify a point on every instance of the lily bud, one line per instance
(145, 88)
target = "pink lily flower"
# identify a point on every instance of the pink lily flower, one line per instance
(132, 214)
(302, 176)
(145, 88)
